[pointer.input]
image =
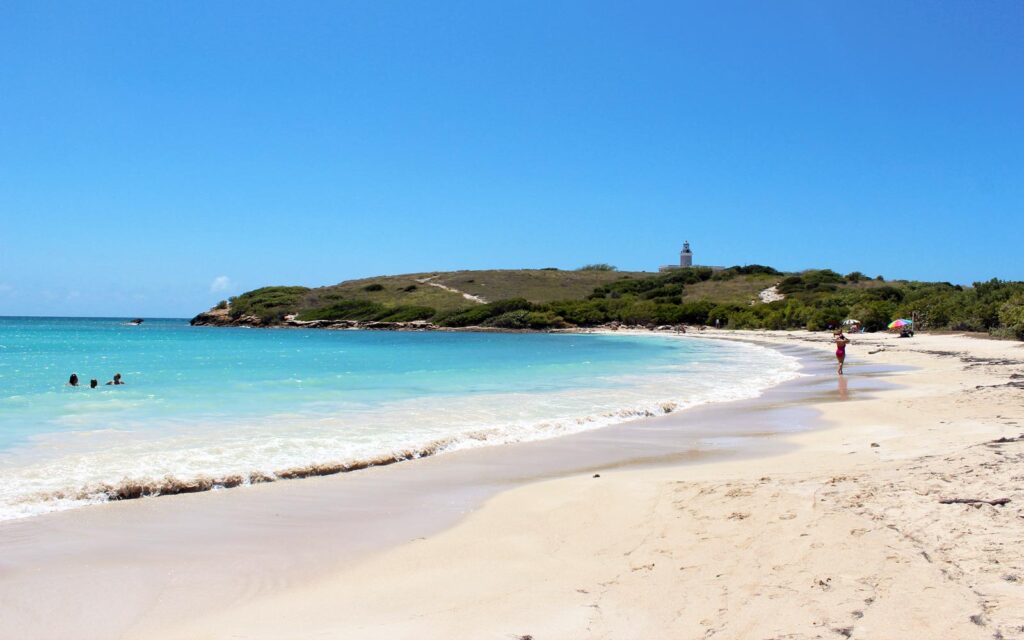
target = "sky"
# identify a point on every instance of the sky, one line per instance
(156, 157)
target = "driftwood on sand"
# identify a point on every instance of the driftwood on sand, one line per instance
(998, 502)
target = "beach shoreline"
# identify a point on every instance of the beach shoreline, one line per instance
(333, 420)
(528, 560)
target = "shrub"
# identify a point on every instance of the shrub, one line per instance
(511, 320)
(1011, 316)
(695, 312)
(637, 312)
(754, 269)
(598, 267)
(223, 304)
(814, 280)
(543, 320)
(744, 320)
(826, 318)
(362, 310)
(367, 311)
(271, 304)
(376, 286)
(523, 319)
(874, 315)
(408, 313)
(512, 304)
(581, 312)
(721, 313)
(774, 319)
(479, 315)
(669, 292)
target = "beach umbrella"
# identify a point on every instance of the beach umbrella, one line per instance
(851, 321)
(899, 324)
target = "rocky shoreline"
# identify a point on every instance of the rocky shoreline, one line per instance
(222, 318)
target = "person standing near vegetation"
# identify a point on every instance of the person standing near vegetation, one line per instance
(841, 342)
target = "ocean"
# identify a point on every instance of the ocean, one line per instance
(206, 407)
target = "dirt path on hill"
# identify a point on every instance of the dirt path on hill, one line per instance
(467, 296)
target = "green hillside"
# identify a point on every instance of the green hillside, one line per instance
(421, 290)
(536, 285)
(739, 297)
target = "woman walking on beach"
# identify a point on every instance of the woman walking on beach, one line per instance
(841, 342)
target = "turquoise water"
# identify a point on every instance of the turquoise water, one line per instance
(212, 402)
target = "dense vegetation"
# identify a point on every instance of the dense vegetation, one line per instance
(814, 299)
(271, 304)
(366, 311)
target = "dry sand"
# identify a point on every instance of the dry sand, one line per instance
(843, 535)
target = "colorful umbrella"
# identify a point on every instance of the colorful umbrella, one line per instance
(899, 324)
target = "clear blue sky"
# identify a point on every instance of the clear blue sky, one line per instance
(156, 157)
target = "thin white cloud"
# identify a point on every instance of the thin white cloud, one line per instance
(220, 283)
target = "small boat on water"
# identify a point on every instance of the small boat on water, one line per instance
(135, 322)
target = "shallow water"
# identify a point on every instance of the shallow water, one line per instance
(233, 405)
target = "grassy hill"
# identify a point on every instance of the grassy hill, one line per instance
(535, 285)
(549, 298)
(442, 291)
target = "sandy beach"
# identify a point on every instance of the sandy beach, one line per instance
(511, 321)
(830, 511)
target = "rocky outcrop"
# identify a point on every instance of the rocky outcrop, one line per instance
(222, 318)
(416, 325)
(214, 317)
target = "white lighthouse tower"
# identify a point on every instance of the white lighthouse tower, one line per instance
(686, 256)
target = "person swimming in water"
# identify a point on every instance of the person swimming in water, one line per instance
(93, 383)
(116, 380)
(73, 380)
(841, 342)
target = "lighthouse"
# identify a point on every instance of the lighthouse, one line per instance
(686, 261)
(686, 256)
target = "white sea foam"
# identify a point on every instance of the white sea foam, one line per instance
(65, 470)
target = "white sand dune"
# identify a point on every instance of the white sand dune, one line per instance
(771, 294)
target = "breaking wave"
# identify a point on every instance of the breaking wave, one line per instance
(294, 447)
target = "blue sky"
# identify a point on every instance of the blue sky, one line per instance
(156, 157)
